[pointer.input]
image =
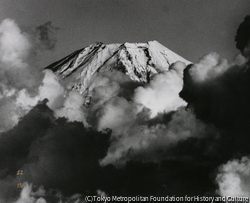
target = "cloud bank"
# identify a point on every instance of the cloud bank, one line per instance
(183, 133)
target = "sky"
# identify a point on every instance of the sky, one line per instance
(190, 28)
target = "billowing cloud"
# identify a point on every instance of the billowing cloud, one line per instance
(25, 195)
(72, 108)
(234, 178)
(208, 68)
(132, 116)
(15, 49)
(22, 84)
(50, 89)
(218, 91)
(150, 143)
(162, 93)
(14, 45)
(18, 103)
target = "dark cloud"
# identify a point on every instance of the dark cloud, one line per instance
(15, 146)
(222, 100)
(52, 152)
(243, 37)
(218, 92)
(63, 157)
(46, 35)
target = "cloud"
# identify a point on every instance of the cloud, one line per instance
(72, 108)
(46, 36)
(218, 92)
(20, 78)
(117, 114)
(208, 68)
(25, 196)
(14, 45)
(121, 137)
(233, 178)
(131, 116)
(45, 147)
(162, 93)
(223, 101)
(136, 138)
(243, 37)
(15, 49)
(51, 89)
(9, 115)
(139, 127)
(142, 142)
(16, 104)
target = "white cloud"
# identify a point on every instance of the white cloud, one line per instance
(14, 45)
(162, 93)
(234, 178)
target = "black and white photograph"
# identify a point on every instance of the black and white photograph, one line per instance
(124, 101)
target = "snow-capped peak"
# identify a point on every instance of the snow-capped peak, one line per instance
(138, 60)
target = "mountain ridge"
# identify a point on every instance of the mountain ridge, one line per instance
(140, 61)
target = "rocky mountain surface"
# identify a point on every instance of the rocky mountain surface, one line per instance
(140, 61)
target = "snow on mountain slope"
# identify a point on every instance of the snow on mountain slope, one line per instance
(140, 61)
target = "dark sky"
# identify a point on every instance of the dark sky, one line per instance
(191, 28)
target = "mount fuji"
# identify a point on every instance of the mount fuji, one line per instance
(140, 61)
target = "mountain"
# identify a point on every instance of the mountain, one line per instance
(140, 61)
